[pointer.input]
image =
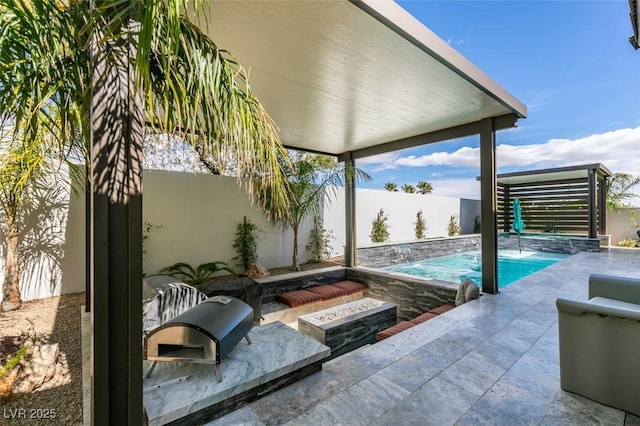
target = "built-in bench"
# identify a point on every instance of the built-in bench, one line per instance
(314, 298)
(405, 325)
(320, 292)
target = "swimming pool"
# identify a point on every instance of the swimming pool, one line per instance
(512, 265)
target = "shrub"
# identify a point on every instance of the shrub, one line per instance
(380, 229)
(421, 225)
(628, 242)
(454, 226)
(246, 244)
(319, 241)
(196, 276)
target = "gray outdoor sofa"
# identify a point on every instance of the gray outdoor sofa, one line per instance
(600, 343)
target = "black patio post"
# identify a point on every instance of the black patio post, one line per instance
(488, 208)
(116, 303)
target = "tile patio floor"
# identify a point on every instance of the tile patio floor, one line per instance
(491, 361)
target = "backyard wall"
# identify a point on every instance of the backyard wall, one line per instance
(52, 235)
(198, 215)
(621, 224)
(401, 209)
(193, 219)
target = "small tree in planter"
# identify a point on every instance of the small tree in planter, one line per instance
(380, 229)
(319, 241)
(246, 243)
(454, 226)
(421, 225)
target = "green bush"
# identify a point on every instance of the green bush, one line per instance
(246, 244)
(628, 242)
(319, 241)
(421, 225)
(196, 276)
(454, 225)
(380, 228)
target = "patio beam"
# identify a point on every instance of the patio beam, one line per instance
(502, 122)
(116, 253)
(488, 206)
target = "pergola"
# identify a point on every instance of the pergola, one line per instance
(346, 78)
(569, 199)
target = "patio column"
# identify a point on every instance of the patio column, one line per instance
(350, 213)
(488, 206)
(593, 230)
(506, 209)
(602, 205)
(116, 281)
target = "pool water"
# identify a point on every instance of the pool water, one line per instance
(512, 265)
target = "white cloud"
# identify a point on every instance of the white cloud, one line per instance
(615, 149)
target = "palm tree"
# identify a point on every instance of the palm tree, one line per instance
(390, 186)
(619, 190)
(409, 189)
(20, 165)
(188, 86)
(424, 187)
(313, 180)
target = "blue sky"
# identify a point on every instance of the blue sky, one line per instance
(570, 62)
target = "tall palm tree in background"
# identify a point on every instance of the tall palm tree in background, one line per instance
(620, 190)
(424, 187)
(409, 189)
(189, 87)
(390, 186)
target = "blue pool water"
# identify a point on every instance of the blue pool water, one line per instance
(512, 265)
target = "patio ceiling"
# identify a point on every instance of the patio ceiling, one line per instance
(341, 76)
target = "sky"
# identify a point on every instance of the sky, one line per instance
(569, 62)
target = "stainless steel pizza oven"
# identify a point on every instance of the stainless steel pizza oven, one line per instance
(206, 333)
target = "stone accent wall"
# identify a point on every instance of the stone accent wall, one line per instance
(561, 244)
(275, 285)
(380, 255)
(411, 296)
(386, 254)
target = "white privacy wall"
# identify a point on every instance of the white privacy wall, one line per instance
(194, 218)
(198, 215)
(401, 210)
(52, 235)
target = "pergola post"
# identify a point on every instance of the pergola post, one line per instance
(593, 214)
(506, 209)
(350, 213)
(602, 205)
(488, 206)
(116, 281)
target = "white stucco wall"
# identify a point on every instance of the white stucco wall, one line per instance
(401, 209)
(52, 235)
(198, 215)
(621, 224)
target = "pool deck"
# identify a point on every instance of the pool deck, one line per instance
(491, 361)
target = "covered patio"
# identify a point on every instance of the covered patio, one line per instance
(346, 78)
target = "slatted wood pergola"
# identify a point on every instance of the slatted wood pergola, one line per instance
(561, 200)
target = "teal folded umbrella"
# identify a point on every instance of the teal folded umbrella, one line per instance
(518, 224)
